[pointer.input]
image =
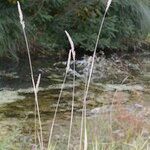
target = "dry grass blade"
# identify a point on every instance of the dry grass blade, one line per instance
(32, 75)
(38, 82)
(71, 44)
(81, 132)
(91, 69)
(55, 113)
(83, 119)
(108, 4)
(145, 143)
(62, 87)
(85, 139)
(73, 92)
(68, 62)
(20, 15)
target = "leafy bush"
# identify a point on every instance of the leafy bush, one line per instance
(11, 39)
(122, 24)
(46, 21)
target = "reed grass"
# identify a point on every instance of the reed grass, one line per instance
(90, 73)
(71, 53)
(73, 92)
(56, 109)
(34, 84)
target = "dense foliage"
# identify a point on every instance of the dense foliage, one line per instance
(46, 21)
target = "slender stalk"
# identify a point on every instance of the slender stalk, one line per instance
(91, 71)
(93, 58)
(34, 88)
(72, 109)
(35, 126)
(84, 107)
(72, 51)
(56, 109)
(83, 124)
(81, 130)
(85, 132)
(62, 87)
(60, 94)
(31, 71)
(89, 79)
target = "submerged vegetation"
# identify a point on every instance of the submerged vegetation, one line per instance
(126, 25)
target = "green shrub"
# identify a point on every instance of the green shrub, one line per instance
(126, 23)
(123, 23)
(11, 39)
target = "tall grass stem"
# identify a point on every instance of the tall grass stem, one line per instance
(62, 87)
(73, 91)
(35, 89)
(91, 69)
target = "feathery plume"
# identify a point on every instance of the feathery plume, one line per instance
(68, 62)
(20, 15)
(71, 44)
(108, 4)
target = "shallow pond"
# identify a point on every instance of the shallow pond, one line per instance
(125, 80)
